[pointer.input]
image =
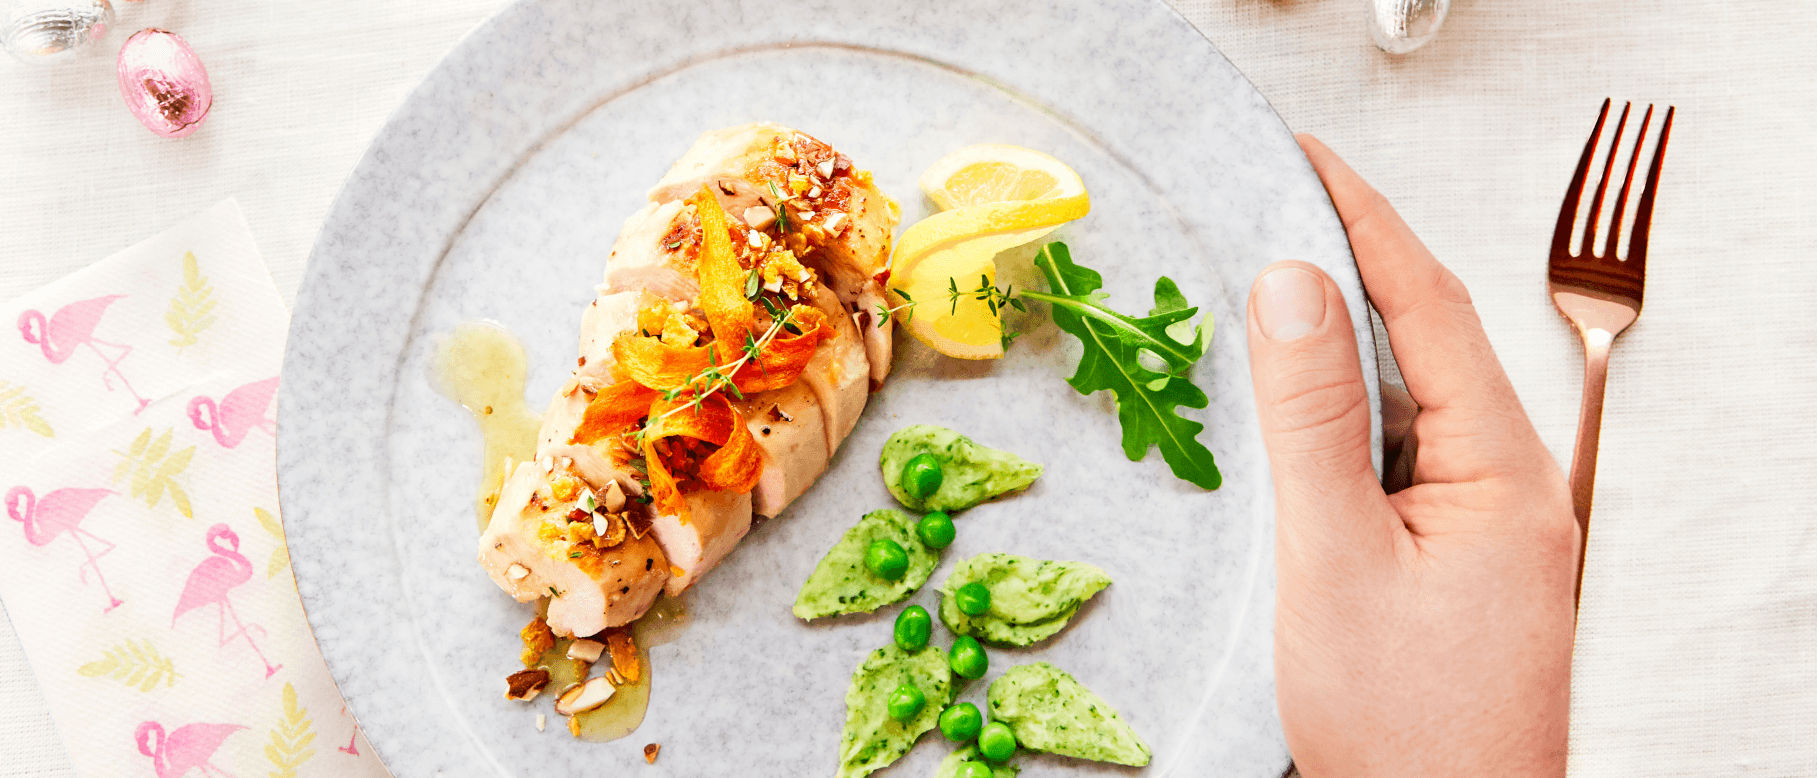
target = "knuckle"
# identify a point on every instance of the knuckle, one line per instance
(1318, 411)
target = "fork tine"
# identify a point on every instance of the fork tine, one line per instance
(1627, 183)
(1643, 214)
(1602, 186)
(1567, 214)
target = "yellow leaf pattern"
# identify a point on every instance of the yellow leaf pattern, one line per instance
(139, 665)
(18, 409)
(190, 311)
(153, 473)
(280, 556)
(290, 739)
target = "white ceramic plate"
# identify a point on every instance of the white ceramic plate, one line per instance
(495, 193)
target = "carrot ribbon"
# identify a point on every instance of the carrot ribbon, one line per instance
(652, 371)
(734, 467)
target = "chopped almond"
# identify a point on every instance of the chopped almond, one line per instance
(614, 497)
(650, 752)
(586, 650)
(584, 697)
(526, 684)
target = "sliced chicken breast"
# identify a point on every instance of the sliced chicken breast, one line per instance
(535, 547)
(838, 232)
(843, 220)
(716, 522)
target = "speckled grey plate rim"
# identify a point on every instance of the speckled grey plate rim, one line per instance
(516, 75)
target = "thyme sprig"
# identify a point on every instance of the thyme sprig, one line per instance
(996, 299)
(716, 377)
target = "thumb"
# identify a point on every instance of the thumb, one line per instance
(1314, 413)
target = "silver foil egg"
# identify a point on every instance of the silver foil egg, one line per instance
(1400, 26)
(36, 31)
(164, 83)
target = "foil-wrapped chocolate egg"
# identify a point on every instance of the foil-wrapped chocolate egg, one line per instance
(163, 82)
(1400, 26)
(50, 30)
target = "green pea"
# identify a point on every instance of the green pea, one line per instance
(886, 558)
(906, 702)
(936, 530)
(968, 657)
(913, 626)
(974, 598)
(922, 475)
(960, 723)
(996, 742)
(974, 769)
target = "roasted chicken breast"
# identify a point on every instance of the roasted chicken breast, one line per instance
(707, 361)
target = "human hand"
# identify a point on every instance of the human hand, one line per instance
(1426, 632)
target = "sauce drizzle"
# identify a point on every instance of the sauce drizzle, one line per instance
(482, 367)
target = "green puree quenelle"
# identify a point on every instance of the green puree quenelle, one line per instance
(968, 473)
(1049, 711)
(872, 738)
(1030, 599)
(842, 583)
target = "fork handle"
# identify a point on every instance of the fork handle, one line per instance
(1589, 432)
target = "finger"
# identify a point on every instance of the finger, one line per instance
(1314, 413)
(1432, 326)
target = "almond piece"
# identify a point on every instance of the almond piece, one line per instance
(517, 572)
(759, 217)
(586, 650)
(650, 752)
(614, 498)
(526, 684)
(584, 697)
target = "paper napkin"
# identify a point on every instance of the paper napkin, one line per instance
(143, 560)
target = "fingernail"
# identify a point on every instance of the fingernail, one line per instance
(1289, 303)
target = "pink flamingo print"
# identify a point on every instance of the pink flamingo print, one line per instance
(240, 411)
(353, 741)
(62, 511)
(74, 325)
(188, 748)
(210, 582)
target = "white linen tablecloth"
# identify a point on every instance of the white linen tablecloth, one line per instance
(1697, 651)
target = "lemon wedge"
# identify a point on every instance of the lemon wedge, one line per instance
(996, 173)
(994, 197)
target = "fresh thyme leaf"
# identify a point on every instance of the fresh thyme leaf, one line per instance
(1147, 400)
(904, 294)
(769, 305)
(782, 215)
(751, 285)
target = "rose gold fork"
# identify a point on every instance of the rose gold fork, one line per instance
(1600, 293)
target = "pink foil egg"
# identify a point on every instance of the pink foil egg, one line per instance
(163, 82)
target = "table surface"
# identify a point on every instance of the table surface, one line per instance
(1697, 649)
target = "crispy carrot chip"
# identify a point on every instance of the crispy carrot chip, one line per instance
(538, 638)
(624, 654)
(669, 446)
(615, 408)
(722, 279)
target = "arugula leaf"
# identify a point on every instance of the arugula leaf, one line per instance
(1115, 346)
